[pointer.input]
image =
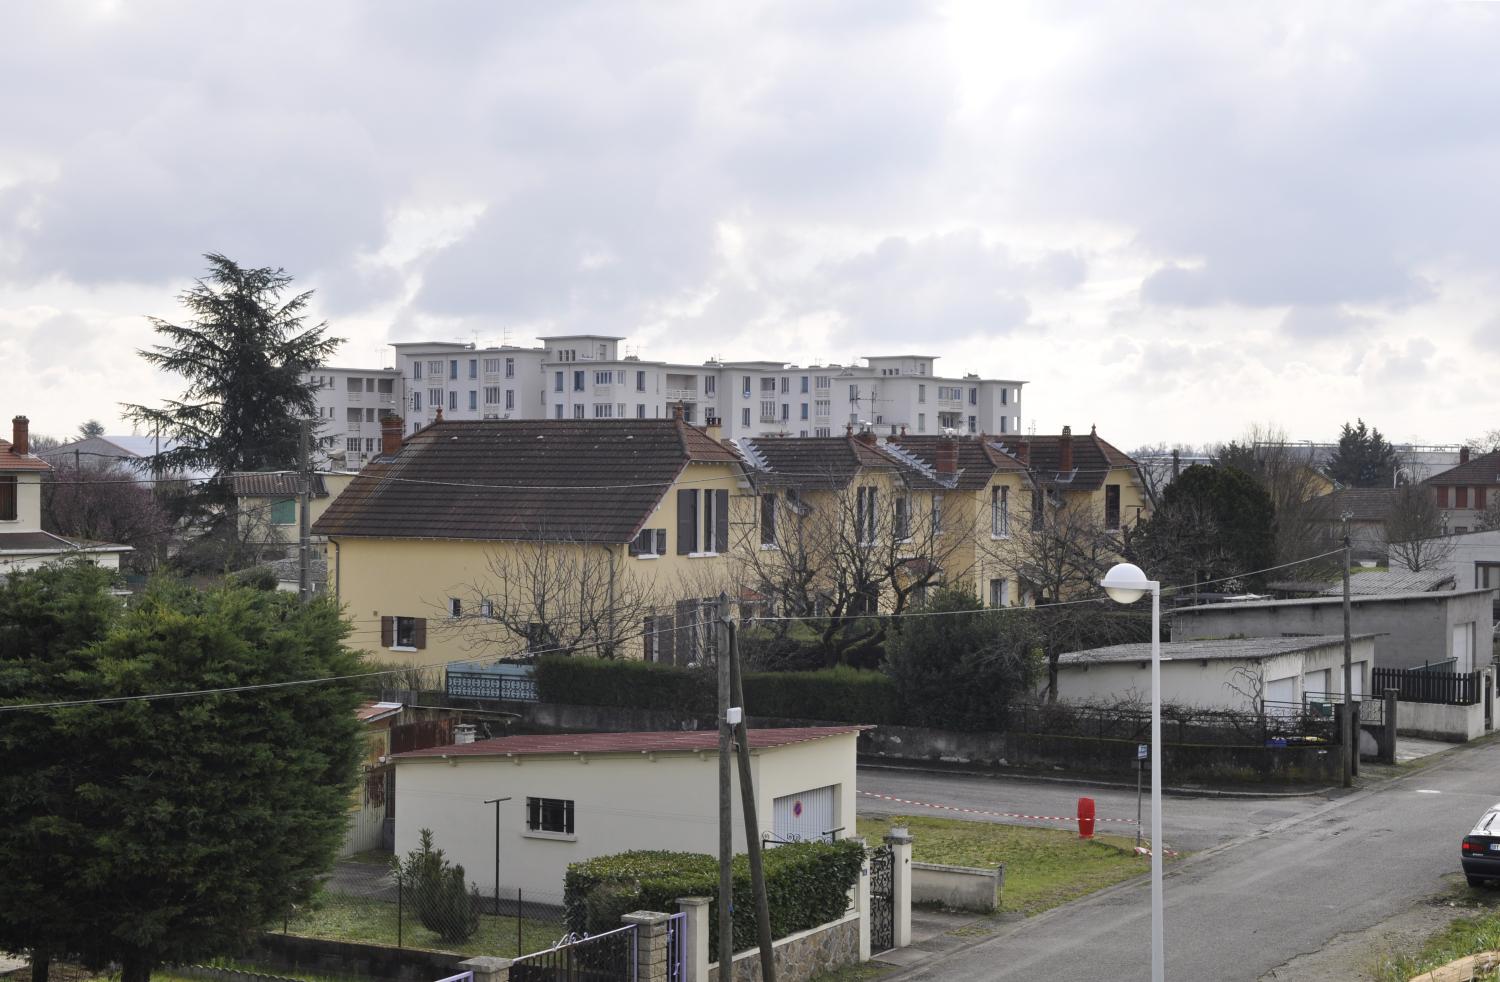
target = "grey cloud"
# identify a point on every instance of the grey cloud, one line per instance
(1318, 323)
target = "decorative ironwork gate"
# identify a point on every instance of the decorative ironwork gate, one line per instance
(677, 948)
(607, 957)
(882, 899)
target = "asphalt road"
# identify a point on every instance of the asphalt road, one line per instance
(1188, 824)
(1238, 911)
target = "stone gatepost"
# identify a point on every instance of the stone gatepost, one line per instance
(650, 944)
(1388, 745)
(487, 969)
(696, 909)
(900, 842)
(862, 904)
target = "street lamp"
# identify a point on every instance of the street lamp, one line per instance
(1125, 583)
(496, 803)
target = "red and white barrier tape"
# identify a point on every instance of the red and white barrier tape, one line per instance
(1140, 850)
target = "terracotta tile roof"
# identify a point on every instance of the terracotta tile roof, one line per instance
(44, 542)
(979, 458)
(274, 484)
(683, 741)
(11, 461)
(370, 712)
(1484, 469)
(1093, 459)
(827, 462)
(574, 480)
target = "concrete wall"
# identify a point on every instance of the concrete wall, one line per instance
(1214, 682)
(621, 802)
(28, 503)
(1468, 550)
(957, 887)
(1411, 629)
(804, 955)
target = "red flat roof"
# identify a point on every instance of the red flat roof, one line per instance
(627, 743)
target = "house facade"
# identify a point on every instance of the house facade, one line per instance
(1464, 492)
(474, 540)
(23, 543)
(269, 502)
(576, 796)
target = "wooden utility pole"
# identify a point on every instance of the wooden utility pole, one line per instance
(726, 807)
(752, 825)
(1348, 735)
(304, 528)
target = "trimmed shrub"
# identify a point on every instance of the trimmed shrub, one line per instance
(807, 884)
(841, 694)
(587, 681)
(444, 904)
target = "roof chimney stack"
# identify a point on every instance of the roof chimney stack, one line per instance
(1463, 452)
(20, 440)
(390, 435)
(1065, 451)
(945, 460)
(866, 436)
(677, 411)
(1023, 452)
(463, 733)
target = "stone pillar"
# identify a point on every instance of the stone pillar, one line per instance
(862, 904)
(900, 842)
(650, 944)
(1388, 745)
(696, 909)
(487, 969)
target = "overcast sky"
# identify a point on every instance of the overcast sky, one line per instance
(1173, 222)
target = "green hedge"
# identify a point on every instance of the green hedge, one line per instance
(807, 884)
(836, 694)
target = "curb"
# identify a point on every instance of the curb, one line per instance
(885, 764)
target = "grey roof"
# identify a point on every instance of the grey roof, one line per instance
(1307, 601)
(1393, 581)
(1219, 649)
(274, 484)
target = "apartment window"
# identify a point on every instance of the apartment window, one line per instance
(824, 382)
(578, 381)
(702, 521)
(902, 522)
(434, 369)
(999, 593)
(473, 368)
(821, 431)
(786, 411)
(492, 395)
(640, 381)
(453, 368)
(865, 516)
(649, 542)
(403, 632)
(745, 416)
(1112, 507)
(854, 393)
(453, 401)
(604, 378)
(1003, 427)
(557, 381)
(549, 815)
(1000, 511)
(510, 368)
(710, 385)
(455, 607)
(351, 415)
(921, 422)
(492, 366)
(604, 410)
(640, 410)
(369, 444)
(786, 382)
(804, 385)
(416, 369)
(351, 444)
(1486, 576)
(284, 512)
(578, 411)
(921, 393)
(973, 424)
(768, 519)
(745, 385)
(473, 400)
(973, 396)
(1004, 396)
(824, 407)
(510, 399)
(804, 410)
(557, 411)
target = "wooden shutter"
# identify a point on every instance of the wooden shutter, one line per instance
(687, 522)
(387, 632)
(661, 542)
(635, 546)
(721, 521)
(419, 633)
(685, 633)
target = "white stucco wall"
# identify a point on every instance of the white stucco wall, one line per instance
(621, 802)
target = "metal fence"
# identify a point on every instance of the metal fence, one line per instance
(677, 948)
(607, 957)
(1180, 725)
(366, 902)
(1420, 685)
(491, 685)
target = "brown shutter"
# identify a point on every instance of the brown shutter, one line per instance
(661, 542)
(419, 634)
(721, 522)
(666, 638)
(687, 522)
(685, 639)
(387, 632)
(634, 548)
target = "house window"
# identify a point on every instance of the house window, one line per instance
(1000, 511)
(578, 381)
(1038, 503)
(369, 444)
(1460, 497)
(973, 424)
(434, 369)
(902, 523)
(854, 393)
(1442, 496)
(649, 542)
(824, 382)
(822, 431)
(435, 398)
(455, 607)
(510, 368)
(786, 411)
(937, 514)
(711, 534)
(921, 422)
(491, 366)
(768, 519)
(786, 382)
(403, 632)
(864, 515)
(369, 415)
(285, 512)
(557, 411)
(824, 407)
(453, 368)
(999, 593)
(768, 386)
(1486, 576)
(1003, 427)
(557, 381)
(549, 815)
(487, 609)
(1112, 507)
(510, 399)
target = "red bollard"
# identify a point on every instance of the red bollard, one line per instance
(1085, 818)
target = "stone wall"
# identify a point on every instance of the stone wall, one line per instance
(804, 955)
(295, 955)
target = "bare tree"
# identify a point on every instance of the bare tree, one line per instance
(553, 595)
(1288, 472)
(1415, 534)
(104, 504)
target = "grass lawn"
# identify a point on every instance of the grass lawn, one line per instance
(348, 918)
(1463, 936)
(1043, 867)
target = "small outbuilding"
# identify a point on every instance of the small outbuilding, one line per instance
(575, 796)
(1226, 673)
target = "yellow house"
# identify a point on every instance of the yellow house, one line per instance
(486, 539)
(267, 503)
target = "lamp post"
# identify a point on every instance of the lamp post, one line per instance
(496, 803)
(1125, 583)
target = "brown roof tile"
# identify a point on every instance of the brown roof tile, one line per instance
(11, 461)
(273, 484)
(979, 458)
(1481, 470)
(568, 480)
(829, 462)
(688, 741)
(1093, 459)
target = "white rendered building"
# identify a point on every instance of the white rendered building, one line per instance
(585, 376)
(350, 402)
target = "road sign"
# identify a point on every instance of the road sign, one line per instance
(1142, 751)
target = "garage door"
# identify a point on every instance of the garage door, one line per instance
(804, 816)
(1316, 684)
(1280, 696)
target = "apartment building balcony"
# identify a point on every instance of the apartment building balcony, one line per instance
(355, 395)
(681, 395)
(956, 405)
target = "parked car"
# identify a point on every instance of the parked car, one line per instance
(1481, 848)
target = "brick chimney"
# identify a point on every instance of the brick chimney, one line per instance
(20, 440)
(1065, 451)
(390, 434)
(866, 436)
(1463, 452)
(677, 412)
(1022, 452)
(945, 460)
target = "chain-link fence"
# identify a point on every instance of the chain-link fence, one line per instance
(370, 904)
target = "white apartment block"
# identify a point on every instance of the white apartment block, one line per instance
(584, 377)
(350, 401)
